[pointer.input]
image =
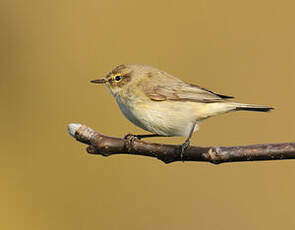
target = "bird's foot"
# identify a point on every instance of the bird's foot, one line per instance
(131, 138)
(183, 148)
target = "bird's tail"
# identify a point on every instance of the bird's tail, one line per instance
(249, 107)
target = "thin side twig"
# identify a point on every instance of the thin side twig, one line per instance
(106, 146)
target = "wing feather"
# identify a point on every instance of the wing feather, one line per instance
(171, 88)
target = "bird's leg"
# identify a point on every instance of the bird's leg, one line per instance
(132, 137)
(186, 144)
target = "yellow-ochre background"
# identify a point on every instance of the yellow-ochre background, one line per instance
(50, 50)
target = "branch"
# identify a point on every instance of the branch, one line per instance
(106, 146)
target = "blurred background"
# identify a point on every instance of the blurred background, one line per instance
(50, 50)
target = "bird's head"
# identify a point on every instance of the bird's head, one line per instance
(123, 76)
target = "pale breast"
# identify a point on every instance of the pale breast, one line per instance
(128, 110)
(164, 118)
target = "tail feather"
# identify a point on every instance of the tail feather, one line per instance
(257, 108)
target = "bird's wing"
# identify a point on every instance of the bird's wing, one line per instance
(177, 90)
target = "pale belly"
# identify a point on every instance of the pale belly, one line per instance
(165, 118)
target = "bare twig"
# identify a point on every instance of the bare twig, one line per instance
(105, 145)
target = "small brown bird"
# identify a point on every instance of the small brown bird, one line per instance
(165, 105)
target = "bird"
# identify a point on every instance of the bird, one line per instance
(163, 104)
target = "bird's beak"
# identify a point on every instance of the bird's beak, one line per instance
(99, 81)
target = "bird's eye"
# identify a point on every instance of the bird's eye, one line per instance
(118, 78)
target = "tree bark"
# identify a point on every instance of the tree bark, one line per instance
(106, 146)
